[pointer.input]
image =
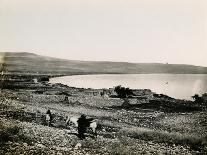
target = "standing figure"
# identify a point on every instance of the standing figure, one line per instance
(48, 117)
(82, 124)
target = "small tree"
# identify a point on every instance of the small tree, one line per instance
(44, 79)
(123, 92)
(197, 98)
(204, 95)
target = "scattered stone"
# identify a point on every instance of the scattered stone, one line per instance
(59, 153)
(78, 145)
(40, 145)
(25, 144)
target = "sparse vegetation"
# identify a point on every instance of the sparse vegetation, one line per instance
(8, 134)
(11, 133)
(195, 142)
(159, 125)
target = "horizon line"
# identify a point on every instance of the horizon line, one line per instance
(112, 61)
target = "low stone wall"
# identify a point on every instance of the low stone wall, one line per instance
(38, 98)
(95, 101)
(133, 101)
(142, 92)
(46, 98)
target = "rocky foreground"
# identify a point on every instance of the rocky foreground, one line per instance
(147, 123)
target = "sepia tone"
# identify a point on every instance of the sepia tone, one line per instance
(103, 77)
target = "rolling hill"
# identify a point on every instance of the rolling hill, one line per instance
(16, 62)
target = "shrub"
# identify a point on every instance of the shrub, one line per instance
(13, 134)
(123, 92)
(44, 79)
(8, 134)
(197, 98)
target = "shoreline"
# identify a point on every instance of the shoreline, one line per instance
(153, 123)
(25, 81)
(16, 79)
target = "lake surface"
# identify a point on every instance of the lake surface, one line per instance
(181, 86)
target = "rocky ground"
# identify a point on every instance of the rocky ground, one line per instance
(156, 125)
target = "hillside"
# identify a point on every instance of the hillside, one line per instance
(152, 126)
(153, 123)
(32, 63)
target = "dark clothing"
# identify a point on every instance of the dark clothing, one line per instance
(83, 123)
(81, 133)
(50, 114)
(81, 127)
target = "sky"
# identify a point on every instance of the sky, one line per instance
(161, 31)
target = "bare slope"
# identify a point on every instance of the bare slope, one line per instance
(32, 63)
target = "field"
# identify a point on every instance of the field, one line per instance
(153, 125)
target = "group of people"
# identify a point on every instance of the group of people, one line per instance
(82, 123)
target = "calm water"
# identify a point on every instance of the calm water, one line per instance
(181, 86)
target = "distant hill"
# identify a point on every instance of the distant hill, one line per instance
(33, 63)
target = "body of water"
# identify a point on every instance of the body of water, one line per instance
(181, 86)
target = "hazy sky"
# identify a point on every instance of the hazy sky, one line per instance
(173, 31)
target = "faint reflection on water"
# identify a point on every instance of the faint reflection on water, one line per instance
(181, 86)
